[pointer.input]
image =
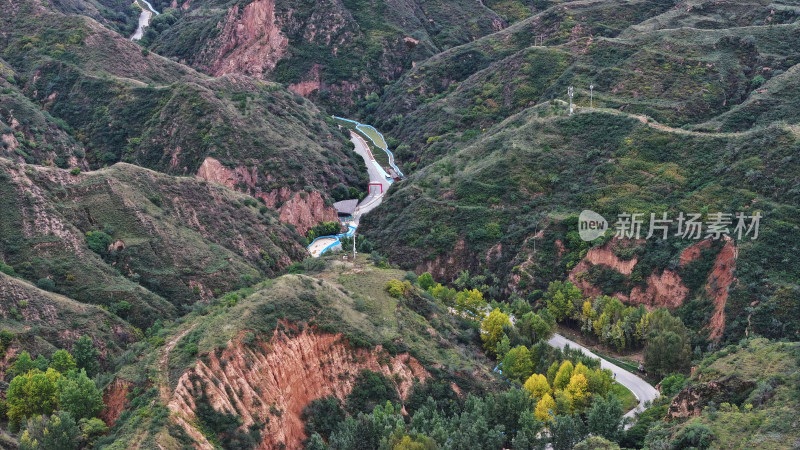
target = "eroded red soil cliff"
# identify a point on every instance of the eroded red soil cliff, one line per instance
(271, 382)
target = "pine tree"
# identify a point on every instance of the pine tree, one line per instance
(605, 418)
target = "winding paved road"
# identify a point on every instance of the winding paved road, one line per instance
(144, 19)
(640, 388)
(376, 175)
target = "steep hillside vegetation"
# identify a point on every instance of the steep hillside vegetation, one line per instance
(743, 396)
(638, 56)
(502, 170)
(315, 337)
(42, 322)
(336, 52)
(505, 208)
(129, 236)
(81, 95)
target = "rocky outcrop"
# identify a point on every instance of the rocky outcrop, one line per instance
(719, 283)
(115, 397)
(250, 42)
(306, 209)
(665, 289)
(690, 401)
(270, 383)
(213, 170)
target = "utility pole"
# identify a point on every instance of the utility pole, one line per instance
(591, 96)
(570, 92)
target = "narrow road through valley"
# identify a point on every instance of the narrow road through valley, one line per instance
(640, 388)
(377, 176)
(144, 19)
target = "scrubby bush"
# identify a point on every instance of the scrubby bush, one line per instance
(671, 385)
(46, 283)
(98, 241)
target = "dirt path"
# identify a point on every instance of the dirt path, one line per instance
(164, 389)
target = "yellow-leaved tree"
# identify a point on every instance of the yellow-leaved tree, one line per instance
(563, 375)
(537, 385)
(545, 408)
(492, 330)
(578, 391)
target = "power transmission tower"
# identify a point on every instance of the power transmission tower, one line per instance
(591, 96)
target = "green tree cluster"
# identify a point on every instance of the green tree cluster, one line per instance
(59, 387)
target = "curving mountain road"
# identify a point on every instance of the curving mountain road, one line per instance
(376, 175)
(144, 19)
(640, 388)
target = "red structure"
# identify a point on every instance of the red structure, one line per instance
(376, 184)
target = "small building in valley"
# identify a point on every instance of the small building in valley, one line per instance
(346, 208)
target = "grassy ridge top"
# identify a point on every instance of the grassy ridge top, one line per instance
(345, 297)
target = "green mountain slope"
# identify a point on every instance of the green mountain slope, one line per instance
(161, 243)
(122, 104)
(638, 57)
(43, 322)
(498, 206)
(314, 335)
(743, 396)
(343, 50)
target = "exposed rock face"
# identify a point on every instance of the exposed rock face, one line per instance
(286, 374)
(690, 401)
(115, 397)
(311, 83)
(447, 267)
(251, 42)
(213, 170)
(301, 209)
(666, 289)
(603, 256)
(719, 283)
(693, 252)
(304, 210)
